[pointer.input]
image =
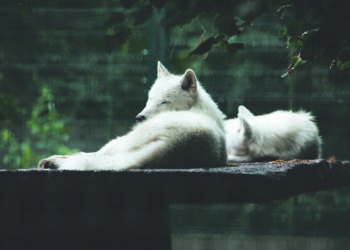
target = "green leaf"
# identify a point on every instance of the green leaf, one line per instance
(282, 32)
(343, 65)
(295, 42)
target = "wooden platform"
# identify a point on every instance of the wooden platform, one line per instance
(53, 209)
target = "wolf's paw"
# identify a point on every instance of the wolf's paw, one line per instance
(47, 163)
(51, 162)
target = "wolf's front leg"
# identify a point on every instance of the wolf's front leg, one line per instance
(80, 161)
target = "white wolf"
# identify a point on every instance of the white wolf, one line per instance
(280, 135)
(182, 128)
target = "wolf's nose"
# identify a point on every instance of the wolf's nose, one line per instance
(140, 118)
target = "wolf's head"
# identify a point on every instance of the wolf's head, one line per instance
(170, 93)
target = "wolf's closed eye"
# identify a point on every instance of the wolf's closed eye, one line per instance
(165, 102)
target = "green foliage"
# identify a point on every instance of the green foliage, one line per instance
(44, 122)
(317, 29)
(47, 135)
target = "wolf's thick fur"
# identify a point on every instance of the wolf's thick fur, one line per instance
(280, 135)
(182, 128)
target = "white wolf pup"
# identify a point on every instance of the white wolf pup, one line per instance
(182, 128)
(283, 135)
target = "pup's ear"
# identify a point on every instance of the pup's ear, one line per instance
(243, 112)
(189, 82)
(162, 71)
(245, 127)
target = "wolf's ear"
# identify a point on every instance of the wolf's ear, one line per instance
(243, 112)
(162, 71)
(245, 126)
(189, 81)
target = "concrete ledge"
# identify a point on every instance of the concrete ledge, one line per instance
(52, 209)
(244, 182)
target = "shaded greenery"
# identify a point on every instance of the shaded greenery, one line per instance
(47, 135)
(317, 30)
(320, 214)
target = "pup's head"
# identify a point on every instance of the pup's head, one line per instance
(170, 93)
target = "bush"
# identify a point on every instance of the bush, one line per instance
(48, 135)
